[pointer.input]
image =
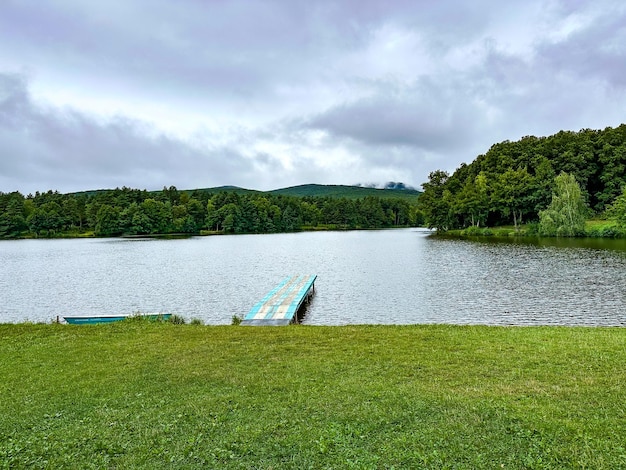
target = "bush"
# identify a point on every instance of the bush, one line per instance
(177, 320)
(595, 231)
(532, 228)
(617, 232)
(472, 231)
(611, 231)
(617, 210)
(504, 232)
(605, 231)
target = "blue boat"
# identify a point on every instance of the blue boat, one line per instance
(94, 319)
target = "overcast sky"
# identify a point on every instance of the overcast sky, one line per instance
(269, 94)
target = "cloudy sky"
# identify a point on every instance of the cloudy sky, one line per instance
(268, 94)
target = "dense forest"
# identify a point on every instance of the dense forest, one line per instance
(515, 182)
(128, 211)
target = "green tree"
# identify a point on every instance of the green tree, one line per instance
(171, 194)
(613, 174)
(435, 201)
(159, 214)
(91, 212)
(396, 212)
(230, 216)
(542, 183)
(512, 194)
(108, 221)
(140, 222)
(74, 211)
(371, 212)
(250, 220)
(196, 212)
(12, 215)
(617, 210)
(291, 218)
(131, 220)
(311, 214)
(565, 216)
(180, 218)
(37, 221)
(275, 216)
(472, 202)
(46, 218)
(213, 219)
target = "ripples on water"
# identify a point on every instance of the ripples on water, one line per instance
(522, 284)
(383, 277)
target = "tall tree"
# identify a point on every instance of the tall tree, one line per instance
(108, 221)
(435, 202)
(472, 202)
(512, 194)
(617, 210)
(12, 215)
(565, 216)
(196, 212)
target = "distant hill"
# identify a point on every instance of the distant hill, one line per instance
(217, 189)
(350, 192)
(306, 190)
(229, 189)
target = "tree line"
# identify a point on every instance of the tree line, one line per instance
(515, 182)
(128, 211)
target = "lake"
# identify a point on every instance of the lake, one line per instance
(401, 276)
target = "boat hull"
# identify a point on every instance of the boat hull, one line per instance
(95, 319)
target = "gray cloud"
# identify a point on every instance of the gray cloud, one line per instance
(64, 149)
(425, 116)
(597, 51)
(147, 93)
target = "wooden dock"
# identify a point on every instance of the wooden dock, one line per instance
(281, 305)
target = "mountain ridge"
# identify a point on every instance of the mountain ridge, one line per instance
(303, 190)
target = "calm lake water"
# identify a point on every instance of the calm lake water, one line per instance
(376, 277)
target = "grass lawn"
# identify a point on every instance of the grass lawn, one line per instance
(144, 395)
(598, 223)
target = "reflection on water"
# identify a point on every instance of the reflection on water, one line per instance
(388, 277)
(586, 243)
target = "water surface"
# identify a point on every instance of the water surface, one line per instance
(376, 277)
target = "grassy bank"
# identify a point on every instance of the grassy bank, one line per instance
(142, 395)
(594, 228)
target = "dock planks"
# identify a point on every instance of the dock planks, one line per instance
(280, 305)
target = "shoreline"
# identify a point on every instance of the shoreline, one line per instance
(594, 228)
(204, 233)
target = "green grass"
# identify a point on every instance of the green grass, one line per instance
(598, 223)
(158, 395)
(523, 230)
(598, 228)
(68, 234)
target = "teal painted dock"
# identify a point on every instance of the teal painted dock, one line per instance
(281, 305)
